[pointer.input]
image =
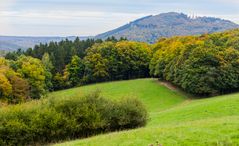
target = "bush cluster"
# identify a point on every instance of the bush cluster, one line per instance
(52, 120)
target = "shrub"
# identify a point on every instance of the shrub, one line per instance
(126, 113)
(51, 120)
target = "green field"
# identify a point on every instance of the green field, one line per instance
(175, 119)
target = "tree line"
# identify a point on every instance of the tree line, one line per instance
(48, 67)
(204, 65)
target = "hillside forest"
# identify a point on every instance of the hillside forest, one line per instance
(203, 65)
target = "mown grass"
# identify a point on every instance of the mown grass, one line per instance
(174, 119)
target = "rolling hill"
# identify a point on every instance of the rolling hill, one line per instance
(150, 28)
(175, 119)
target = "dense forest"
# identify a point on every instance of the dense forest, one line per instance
(204, 65)
(56, 66)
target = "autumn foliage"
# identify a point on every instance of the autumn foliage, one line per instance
(204, 65)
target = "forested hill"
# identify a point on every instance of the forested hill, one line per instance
(146, 29)
(150, 28)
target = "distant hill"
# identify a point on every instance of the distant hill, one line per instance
(146, 29)
(150, 28)
(11, 43)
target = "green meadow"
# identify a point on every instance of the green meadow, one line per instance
(175, 118)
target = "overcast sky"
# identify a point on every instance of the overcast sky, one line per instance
(91, 17)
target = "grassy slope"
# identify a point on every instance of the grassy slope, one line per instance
(174, 120)
(155, 96)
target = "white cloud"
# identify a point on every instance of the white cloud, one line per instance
(50, 14)
(64, 22)
(66, 14)
(90, 17)
(4, 21)
(6, 3)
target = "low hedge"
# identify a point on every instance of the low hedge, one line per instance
(51, 120)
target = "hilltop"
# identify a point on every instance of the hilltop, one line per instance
(147, 29)
(150, 28)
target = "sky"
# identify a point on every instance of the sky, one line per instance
(91, 17)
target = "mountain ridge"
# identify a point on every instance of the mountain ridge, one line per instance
(146, 29)
(151, 28)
